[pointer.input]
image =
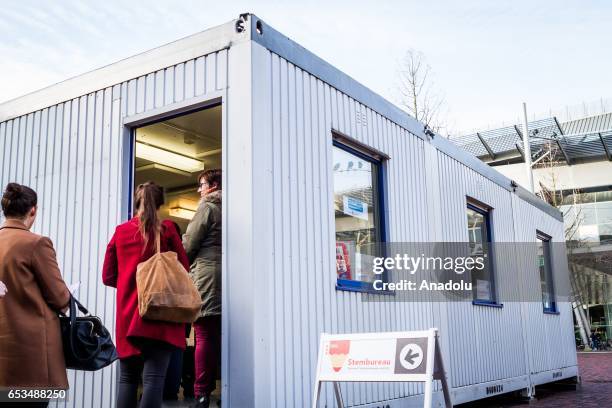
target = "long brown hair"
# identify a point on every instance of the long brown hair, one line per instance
(147, 200)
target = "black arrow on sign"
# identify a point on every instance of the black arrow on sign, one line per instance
(410, 357)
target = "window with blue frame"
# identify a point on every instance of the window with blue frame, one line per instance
(546, 273)
(479, 238)
(358, 208)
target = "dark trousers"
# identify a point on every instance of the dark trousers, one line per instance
(152, 364)
(188, 378)
(207, 353)
(173, 375)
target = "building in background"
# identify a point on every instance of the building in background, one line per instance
(572, 168)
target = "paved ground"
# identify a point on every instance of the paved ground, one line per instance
(594, 392)
(214, 403)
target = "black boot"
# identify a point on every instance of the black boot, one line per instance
(202, 402)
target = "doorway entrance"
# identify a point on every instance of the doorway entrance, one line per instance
(172, 152)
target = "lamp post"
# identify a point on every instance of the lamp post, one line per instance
(527, 149)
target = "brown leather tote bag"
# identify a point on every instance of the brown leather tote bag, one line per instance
(165, 290)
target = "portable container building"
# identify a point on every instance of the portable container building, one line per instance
(283, 125)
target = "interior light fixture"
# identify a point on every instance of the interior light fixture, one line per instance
(187, 204)
(157, 166)
(180, 212)
(170, 159)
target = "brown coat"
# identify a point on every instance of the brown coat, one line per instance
(31, 352)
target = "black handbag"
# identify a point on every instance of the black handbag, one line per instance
(87, 344)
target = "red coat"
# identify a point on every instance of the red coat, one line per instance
(123, 254)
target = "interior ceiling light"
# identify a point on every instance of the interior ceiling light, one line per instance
(180, 212)
(189, 136)
(170, 159)
(187, 204)
(188, 139)
(157, 166)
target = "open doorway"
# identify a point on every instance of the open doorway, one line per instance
(172, 152)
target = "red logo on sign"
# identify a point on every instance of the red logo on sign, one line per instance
(338, 353)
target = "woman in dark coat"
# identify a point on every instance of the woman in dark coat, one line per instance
(202, 242)
(31, 353)
(143, 346)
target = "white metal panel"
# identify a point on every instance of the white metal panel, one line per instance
(239, 299)
(5, 148)
(542, 329)
(304, 301)
(208, 42)
(487, 343)
(71, 154)
(482, 336)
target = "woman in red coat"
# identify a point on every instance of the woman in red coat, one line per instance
(144, 346)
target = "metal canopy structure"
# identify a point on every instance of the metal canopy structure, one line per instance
(547, 135)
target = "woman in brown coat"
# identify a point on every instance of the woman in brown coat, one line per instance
(31, 352)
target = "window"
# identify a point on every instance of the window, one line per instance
(358, 215)
(588, 216)
(545, 269)
(479, 233)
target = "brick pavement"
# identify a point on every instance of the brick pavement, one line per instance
(594, 392)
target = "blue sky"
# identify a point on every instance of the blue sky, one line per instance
(487, 56)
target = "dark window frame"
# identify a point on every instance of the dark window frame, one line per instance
(550, 280)
(487, 212)
(376, 159)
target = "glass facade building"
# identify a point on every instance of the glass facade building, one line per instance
(588, 216)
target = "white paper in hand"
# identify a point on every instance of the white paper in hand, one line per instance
(3, 289)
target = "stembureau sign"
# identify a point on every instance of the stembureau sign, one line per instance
(371, 359)
(381, 357)
(338, 352)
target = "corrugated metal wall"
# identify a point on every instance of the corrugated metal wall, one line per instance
(543, 330)
(304, 299)
(71, 155)
(487, 343)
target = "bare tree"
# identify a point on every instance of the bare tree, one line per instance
(550, 157)
(416, 91)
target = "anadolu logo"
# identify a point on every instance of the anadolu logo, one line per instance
(338, 351)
